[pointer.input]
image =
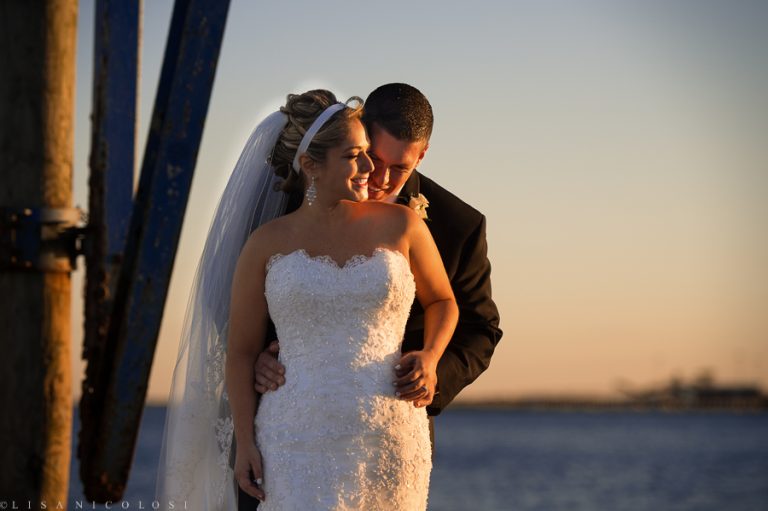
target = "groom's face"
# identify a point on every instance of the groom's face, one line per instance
(393, 160)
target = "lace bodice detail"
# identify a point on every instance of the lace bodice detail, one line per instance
(352, 261)
(335, 436)
(313, 302)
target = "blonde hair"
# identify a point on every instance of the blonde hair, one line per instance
(302, 110)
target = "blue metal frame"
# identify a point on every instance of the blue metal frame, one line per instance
(181, 104)
(113, 145)
(112, 164)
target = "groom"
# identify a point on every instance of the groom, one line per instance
(399, 120)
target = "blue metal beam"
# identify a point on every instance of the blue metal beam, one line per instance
(181, 104)
(112, 163)
(113, 146)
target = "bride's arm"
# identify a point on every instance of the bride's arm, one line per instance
(247, 327)
(433, 290)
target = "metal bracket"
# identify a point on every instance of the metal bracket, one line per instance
(41, 239)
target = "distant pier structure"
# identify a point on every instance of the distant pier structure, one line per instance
(700, 394)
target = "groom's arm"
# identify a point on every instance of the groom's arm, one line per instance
(469, 352)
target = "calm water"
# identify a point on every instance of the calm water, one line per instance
(512, 460)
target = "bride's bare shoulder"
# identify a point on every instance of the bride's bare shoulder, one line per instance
(388, 212)
(274, 227)
(265, 240)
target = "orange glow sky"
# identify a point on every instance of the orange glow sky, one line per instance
(618, 150)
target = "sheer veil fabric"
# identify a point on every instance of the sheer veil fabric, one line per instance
(197, 454)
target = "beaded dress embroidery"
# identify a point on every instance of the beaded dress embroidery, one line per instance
(335, 437)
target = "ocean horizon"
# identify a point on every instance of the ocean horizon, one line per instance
(496, 459)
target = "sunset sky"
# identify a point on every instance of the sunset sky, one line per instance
(618, 149)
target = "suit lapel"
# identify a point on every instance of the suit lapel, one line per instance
(411, 188)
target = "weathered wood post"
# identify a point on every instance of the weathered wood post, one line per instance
(37, 89)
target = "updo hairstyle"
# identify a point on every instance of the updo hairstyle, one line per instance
(302, 110)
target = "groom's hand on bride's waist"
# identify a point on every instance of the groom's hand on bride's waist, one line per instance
(416, 378)
(268, 372)
(415, 375)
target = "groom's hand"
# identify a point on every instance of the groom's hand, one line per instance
(416, 378)
(268, 372)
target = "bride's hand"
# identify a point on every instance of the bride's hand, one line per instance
(248, 471)
(416, 377)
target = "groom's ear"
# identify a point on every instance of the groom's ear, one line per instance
(423, 152)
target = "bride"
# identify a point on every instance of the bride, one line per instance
(338, 277)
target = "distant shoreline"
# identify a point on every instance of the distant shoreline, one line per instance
(701, 395)
(571, 405)
(593, 407)
(602, 405)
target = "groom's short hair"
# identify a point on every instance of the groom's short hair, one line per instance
(402, 110)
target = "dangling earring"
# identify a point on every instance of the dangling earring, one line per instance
(311, 193)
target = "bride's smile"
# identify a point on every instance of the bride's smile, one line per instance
(360, 183)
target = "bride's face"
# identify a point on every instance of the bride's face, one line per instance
(344, 175)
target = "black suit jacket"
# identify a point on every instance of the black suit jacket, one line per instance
(459, 233)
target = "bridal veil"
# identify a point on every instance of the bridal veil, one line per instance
(197, 454)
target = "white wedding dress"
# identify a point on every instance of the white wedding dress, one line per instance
(335, 437)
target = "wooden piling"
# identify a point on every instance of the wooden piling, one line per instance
(37, 90)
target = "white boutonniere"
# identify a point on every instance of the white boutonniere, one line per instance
(419, 204)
